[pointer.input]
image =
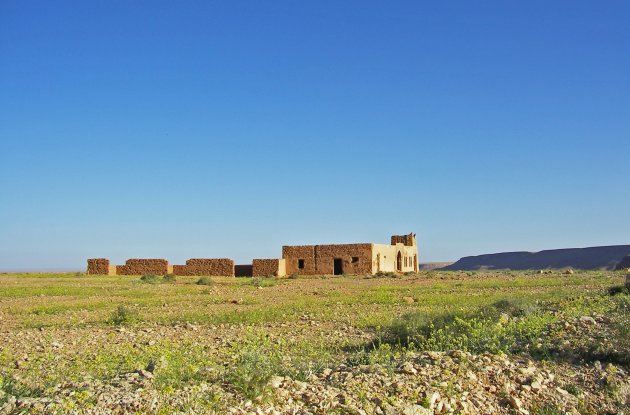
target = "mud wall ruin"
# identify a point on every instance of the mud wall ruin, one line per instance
(269, 267)
(100, 266)
(144, 266)
(206, 267)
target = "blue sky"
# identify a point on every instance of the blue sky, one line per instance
(227, 129)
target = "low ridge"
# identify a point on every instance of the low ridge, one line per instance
(598, 257)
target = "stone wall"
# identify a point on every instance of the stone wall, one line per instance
(144, 266)
(206, 267)
(100, 266)
(268, 267)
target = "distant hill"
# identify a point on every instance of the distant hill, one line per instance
(598, 257)
(623, 264)
(428, 266)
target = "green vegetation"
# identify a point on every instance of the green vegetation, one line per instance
(123, 315)
(205, 281)
(150, 279)
(263, 281)
(228, 333)
(170, 278)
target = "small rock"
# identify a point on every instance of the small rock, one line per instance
(408, 369)
(415, 410)
(561, 391)
(588, 320)
(433, 399)
(409, 300)
(515, 402)
(276, 382)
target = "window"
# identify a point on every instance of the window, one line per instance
(355, 259)
(300, 263)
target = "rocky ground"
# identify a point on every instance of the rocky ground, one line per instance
(314, 364)
(407, 383)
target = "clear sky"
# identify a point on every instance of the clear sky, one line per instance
(229, 128)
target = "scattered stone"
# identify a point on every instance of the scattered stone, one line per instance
(409, 300)
(276, 381)
(415, 410)
(588, 320)
(408, 368)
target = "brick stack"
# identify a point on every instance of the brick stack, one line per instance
(206, 266)
(144, 266)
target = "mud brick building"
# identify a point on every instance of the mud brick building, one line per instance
(365, 258)
(401, 255)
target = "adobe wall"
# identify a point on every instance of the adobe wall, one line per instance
(356, 258)
(100, 266)
(291, 254)
(269, 267)
(206, 267)
(319, 259)
(144, 266)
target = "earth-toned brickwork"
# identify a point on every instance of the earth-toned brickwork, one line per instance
(206, 266)
(144, 266)
(268, 267)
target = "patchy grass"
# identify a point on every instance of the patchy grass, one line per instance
(205, 281)
(227, 332)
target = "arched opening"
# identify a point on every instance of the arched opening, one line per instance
(399, 262)
(415, 263)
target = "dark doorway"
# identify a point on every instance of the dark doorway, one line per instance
(399, 262)
(338, 266)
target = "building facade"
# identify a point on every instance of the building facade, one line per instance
(365, 258)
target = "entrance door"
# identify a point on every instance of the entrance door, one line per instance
(399, 262)
(338, 266)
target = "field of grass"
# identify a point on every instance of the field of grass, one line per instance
(234, 334)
